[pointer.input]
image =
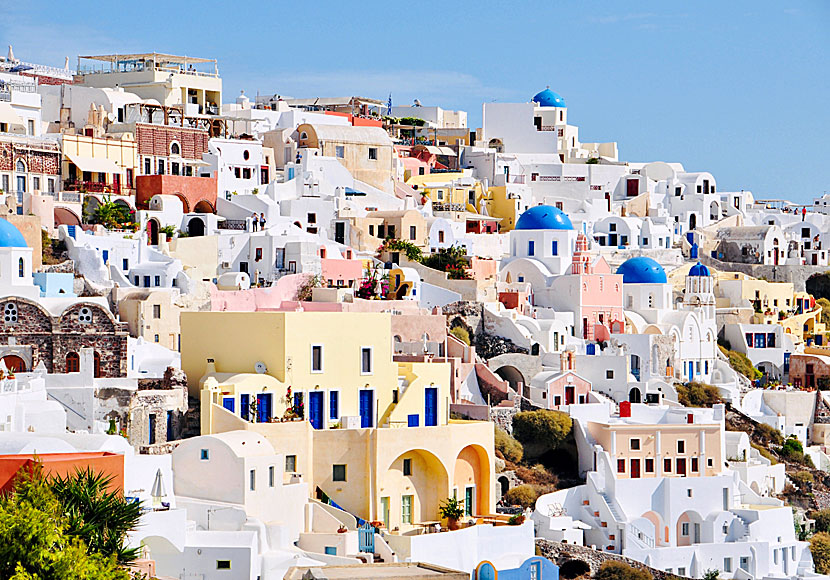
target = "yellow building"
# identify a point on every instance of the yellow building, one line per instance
(502, 204)
(150, 314)
(456, 191)
(99, 164)
(371, 433)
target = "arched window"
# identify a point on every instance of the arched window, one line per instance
(21, 167)
(85, 315)
(175, 149)
(246, 155)
(21, 268)
(97, 361)
(73, 362)
(10, 312)
(303, 135)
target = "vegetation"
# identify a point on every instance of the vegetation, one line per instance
(451, 508)
(168, 231)
(510, 449)
(769, 434)
(41, 538)
(571, 569)
(113, 215)
(820, 549)
(592, 161)
(802, 478)
(523, 495)
(410, 250)
(792, 451)
(516, 520)
(765, 453)
(822, 518)
(51, 250)
(825, 310)
(696, 394)
(451, 260)
(742, 364)
(711, 575)
(541, 431)
(306, 289)
(461, 334)
(414, 121)
(614, 570)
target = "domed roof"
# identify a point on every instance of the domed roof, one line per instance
(642, 270)
(10, 236)
(544, 217)
(548, 98)
(699, 270)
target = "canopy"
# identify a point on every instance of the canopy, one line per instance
(94, 164)
(8, 115)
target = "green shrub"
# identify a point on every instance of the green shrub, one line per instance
(822, 518)
(769, 434)
(742, 364)
(614, 570)
(711, 575)
(765, 453)
(696, 394)
(541, 431)
(802, 478)
(509, 448)
(461, 334)
(523, 495)
(820, 549)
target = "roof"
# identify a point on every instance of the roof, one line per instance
(156, 56)
(548, 98)
(642, 270)
(349, 134)
(10, 236)
(744, 232)
(699, 270)
(544, 217)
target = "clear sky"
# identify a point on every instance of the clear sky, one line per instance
(738, 88)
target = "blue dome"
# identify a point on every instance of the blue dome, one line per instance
(642, 270)
(544, 217)
(699, 270)
(10, 236)
(548, 98)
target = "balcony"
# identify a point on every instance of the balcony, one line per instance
(89, 186)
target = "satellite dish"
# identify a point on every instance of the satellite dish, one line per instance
(260, 368)
(111, 117)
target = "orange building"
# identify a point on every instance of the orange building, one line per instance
(63, 464)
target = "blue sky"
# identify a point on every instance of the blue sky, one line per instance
(736, 88)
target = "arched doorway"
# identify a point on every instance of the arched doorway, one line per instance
(422, 482)
(634, 395)
(504, 485)
(688, 528)
(692, 222)
(775, 251)
(14, 363)
(195, 228)
(153, 231)
(66, 217)
(714, 211)
(514, 377)
(203, 207)
(497, 145)
(471, 478)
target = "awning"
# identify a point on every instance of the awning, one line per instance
(447, 151)
(8, 115)
(94, 164)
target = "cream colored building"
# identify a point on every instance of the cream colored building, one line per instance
(150, 314)
(91, 163)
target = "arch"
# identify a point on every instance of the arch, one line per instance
(14, 363)
(714, 211)
(755, 487)
(203, 206)
(21, 268)
(185, 201)
(73, 362)
(175, 148)
(66, 217)
(96, 359)
(661, 530)
(153, 231)
(513, 376)
(20, 166)
(635, 396)
(496, 144)
(504, 485)
(196, 228)
(693, 534)
(428, 484)
(472, 471)
(692, 221)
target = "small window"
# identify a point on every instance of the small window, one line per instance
(667, 466)
(727, 564)
(156, 338)
(681, 446)
(271, 476)
(317, 358)
(252, 478)
(258, 254)
(620, 465)
(710, 462)
(204, 455)
(609, 374)
(634, 444)
(681, 571)
(366, 360)
(291, 463)
(85, 315)
(689, 492)
(695, 468)
(406, 509)
(246, 155)
(125, 264)
(175, 149)
(157, 280)
(649, 465)
(340, 151)
(684, 529)
(373, 153)
(312, 218)
(223, 564)
(413, 232)
(334, 404)
(338, 472)
(21, 268)
(156, 310)
(10, 312)
(407, 467)
(531, 248)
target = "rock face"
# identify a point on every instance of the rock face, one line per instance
(470, 316)
(503, 417)
(559, 553)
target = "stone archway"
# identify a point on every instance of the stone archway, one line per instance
(66, 217)
(514, 378)
(203, 206)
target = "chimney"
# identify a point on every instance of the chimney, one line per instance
(625, 409)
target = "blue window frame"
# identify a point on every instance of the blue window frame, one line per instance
(412, 420)
(760, 340)
(125, 264)
(229, 403)
(146, 281)
(555, 248)
(531, 248)
(334, 404)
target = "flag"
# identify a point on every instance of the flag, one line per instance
(389, 105)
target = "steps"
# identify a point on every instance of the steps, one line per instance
(610, 504)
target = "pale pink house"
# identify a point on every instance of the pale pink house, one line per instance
(556, 389)
(342, 270)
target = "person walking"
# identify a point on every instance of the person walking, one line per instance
(262, 221)
(254, 222)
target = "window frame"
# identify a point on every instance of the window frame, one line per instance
(371, 370)
(334, 472)
(322, 360)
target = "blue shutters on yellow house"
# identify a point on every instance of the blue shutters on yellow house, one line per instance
(431, 407)
(315, 409)
(366, 408)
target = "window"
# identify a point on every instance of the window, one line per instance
(246, 173)
(156, 338)
(258, 254)
(223, 564)
(531, 248)
(620, 465)
(609, 374)
(291, 463)
(413, 232)
(689, 492)
(21, 268)
(125, 264)
(373, 153)
(161, 167)
(681, 571)
(634, 444)
(73, 362)
(407, 467)
(745, 561)
(252, 478)
(406, 509)
(684, 529)
(312, 218)
(36, 183)
(338, 472)
(334, 404)
(317, 358)
(371, 230)
(681, 446)
(156, 310)
(175, 149)
(204, 455)
(157, 280)
(366, 360)
(710, 462)
(146, 281)
(330, 550)
(340, 151)
(649, 465)
(441, 236)
(727, 564)
(555, 248)
(85, 315)
(667, 466)
(694, 465)
(271, 476)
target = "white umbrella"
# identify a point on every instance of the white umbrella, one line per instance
(157, 493)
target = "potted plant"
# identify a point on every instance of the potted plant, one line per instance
(516, 520)
(452, 510)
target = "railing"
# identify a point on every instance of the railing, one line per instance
(516, 179)
(642, 536)
(560, 178)
(5, 96)
(448, 207)
(238, 225)
(90, 186)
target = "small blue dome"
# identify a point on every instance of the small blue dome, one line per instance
(544, 217)
(642, 270)
(10, 236)
(548, 98)
(699, 270)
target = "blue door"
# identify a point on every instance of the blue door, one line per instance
(315, 409)
(431, 404)
(263, 407)
(366, 408)
(170, 426)
(245, 406)
(106, 256)
(691, 371)
(229, 404)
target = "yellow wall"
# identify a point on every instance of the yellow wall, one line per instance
(121, 151)
(500, 206)
(199, 254)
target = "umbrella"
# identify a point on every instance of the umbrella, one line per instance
(21, 68)
(157, 493)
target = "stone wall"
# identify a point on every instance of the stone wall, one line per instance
(559, 553)
(503, 417)
(796, 274)
(470, 316)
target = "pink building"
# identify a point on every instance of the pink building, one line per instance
(556, 389)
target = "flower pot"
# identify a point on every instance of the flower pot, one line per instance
(452, 523)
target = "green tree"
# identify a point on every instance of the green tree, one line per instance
(34, 543)
(524, 495)
(825, 310)
(820, 549)
(452, 260)
(614, 570)
(111, 214)
(541, 431)
(509, 448)
(97, 515)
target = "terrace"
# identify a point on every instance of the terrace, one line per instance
(152, 61)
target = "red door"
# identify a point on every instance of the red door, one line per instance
(681, 466)
(635, 468)
(14, 363)
(570, 397)
(632, 188)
